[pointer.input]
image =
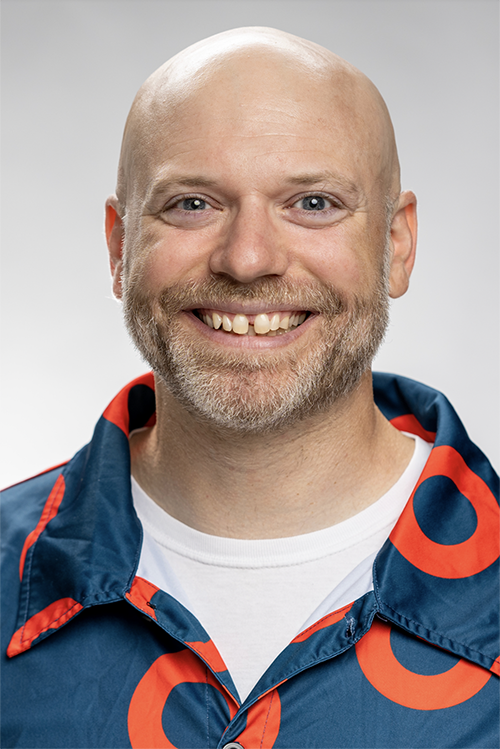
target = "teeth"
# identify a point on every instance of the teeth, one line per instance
(275, 321)
(240, 324)
(262, 325)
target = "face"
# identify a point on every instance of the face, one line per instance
(257, 254)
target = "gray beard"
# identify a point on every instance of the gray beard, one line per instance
(258, 392)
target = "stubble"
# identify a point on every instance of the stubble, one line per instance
(245, 391)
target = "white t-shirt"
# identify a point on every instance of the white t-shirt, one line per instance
(254, 596)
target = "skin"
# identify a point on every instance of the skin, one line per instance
(255, 120)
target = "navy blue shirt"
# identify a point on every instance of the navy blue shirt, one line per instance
(94, 656)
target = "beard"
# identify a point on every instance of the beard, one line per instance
(260, 391)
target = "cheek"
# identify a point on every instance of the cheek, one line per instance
(339, 258)
(161, 256)
(351, 258)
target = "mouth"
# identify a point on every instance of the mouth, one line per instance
(263, 324)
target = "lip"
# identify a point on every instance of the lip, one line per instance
(233, 340)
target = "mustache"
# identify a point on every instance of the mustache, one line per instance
(268, 291)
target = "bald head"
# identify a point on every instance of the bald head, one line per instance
(244, 74)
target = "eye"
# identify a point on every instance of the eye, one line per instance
(313, 203)
(189, 211)
(315, 210)
(192, 204)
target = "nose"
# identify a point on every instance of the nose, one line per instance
(252, 245)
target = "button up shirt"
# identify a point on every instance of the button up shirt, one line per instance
(95, 656)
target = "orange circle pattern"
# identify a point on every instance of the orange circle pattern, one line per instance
(145, 727)
(263, 722)
(417, 691)
(454, 560)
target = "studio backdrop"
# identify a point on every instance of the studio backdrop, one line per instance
(70, 71)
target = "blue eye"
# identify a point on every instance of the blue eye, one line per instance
(193, 204)
(314, 203)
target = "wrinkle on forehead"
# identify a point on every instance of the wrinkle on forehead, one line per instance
(253, 70)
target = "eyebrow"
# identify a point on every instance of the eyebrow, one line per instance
(307, 178)
(314, 178)
(191, 181)
(160, 186)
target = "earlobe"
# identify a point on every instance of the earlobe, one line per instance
(114, 237)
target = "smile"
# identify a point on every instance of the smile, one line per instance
(263, 324)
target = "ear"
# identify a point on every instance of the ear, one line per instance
(404, 243)
(114, 237)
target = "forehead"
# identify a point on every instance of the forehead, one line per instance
(259, 115)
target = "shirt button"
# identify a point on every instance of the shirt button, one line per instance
(232, 745)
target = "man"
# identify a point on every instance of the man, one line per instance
(253, 550)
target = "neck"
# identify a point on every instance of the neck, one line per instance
(315, 474)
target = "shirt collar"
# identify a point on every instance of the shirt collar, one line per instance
(437, 574)
(86, 547)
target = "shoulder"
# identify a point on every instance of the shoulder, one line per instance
(23, 503)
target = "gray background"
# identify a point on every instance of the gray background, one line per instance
(70, 71)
